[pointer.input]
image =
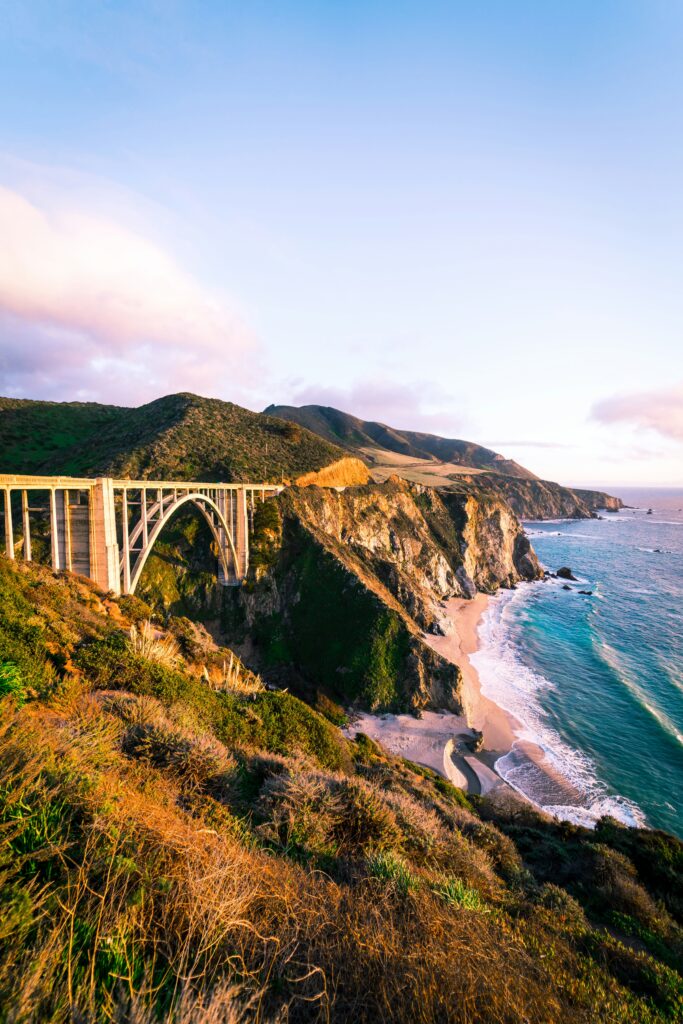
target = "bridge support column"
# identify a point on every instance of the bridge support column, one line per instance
(26, 521)
(57, 534)
(242, 533)
(222, 503)
(104, 548)
(9, 532)
(79, 536)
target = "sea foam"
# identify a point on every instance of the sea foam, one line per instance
(515, 687)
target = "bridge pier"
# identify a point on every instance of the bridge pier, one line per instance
(103, 545)
(9, 532)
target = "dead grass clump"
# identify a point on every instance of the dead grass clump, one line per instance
(326, 813)
(226, 1004)
(617, 880)
(301, 811)
(232, 677)
(366, 821)
(419, 824)
(197, 761)
(131, 708)
(150, 643)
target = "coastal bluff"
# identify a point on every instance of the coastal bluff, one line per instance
(344, 584)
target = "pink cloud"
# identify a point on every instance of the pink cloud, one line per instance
(87, 303)
(403, 406)
(655, 410)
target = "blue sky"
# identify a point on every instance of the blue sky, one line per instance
(462, 217)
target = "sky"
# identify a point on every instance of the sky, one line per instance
(461, 217)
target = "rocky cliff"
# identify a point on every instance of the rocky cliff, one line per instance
(344, 584)
(540, 499)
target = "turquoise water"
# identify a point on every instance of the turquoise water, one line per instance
(597, 681)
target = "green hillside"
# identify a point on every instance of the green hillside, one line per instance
(177, 437)
(356, 434)
(443, 462)
(181, 845)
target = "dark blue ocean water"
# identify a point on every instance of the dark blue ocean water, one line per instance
(597, 681)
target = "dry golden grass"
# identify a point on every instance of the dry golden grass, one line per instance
(347, 472)
(152, 643)
(232, 677)
(134, 900)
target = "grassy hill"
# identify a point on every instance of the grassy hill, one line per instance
(446, 463)
(358, 435)
(177, 437)
(181, 845)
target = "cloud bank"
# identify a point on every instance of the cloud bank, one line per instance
(92, 310)
(655, 410)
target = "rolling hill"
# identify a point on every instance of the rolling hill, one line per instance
(180, 436)
(446, 463)
(367, 435)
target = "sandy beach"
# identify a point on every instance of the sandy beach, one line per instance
(504, 740)
(498, 727)
(442, 740)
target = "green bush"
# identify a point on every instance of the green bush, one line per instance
(11, 682)
(454, 892)
(391, 869)
(276, 721)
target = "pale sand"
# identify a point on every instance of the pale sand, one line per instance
(428, 740)
(502, 731)
(499, 727)
(436, 739)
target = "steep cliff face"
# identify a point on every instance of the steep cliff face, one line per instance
(345, 584)
(542, 499)
(496, 551)
(597, 501)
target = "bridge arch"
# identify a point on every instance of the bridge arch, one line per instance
(216, 523)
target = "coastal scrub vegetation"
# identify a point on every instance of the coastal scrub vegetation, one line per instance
(182, 437)
(173, 850)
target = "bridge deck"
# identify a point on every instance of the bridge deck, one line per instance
(77, 483)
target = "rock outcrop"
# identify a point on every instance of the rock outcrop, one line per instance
(542, 499)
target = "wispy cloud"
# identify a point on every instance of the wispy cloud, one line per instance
(91, 309)
(654, 410)
(528, 444)
(419, 405)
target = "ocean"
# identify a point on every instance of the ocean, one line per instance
(597, 680)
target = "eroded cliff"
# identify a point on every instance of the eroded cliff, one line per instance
(540, 499)
(344, 584)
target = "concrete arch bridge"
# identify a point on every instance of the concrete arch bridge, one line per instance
(105, 528)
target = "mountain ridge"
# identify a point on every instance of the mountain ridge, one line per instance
(181, 436)
(447, 463)
(348, 430)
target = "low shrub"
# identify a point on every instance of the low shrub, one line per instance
(366, 821)
(11, 682)
(455, 893)
(566, 909)
(334, 713)
(388, 867)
